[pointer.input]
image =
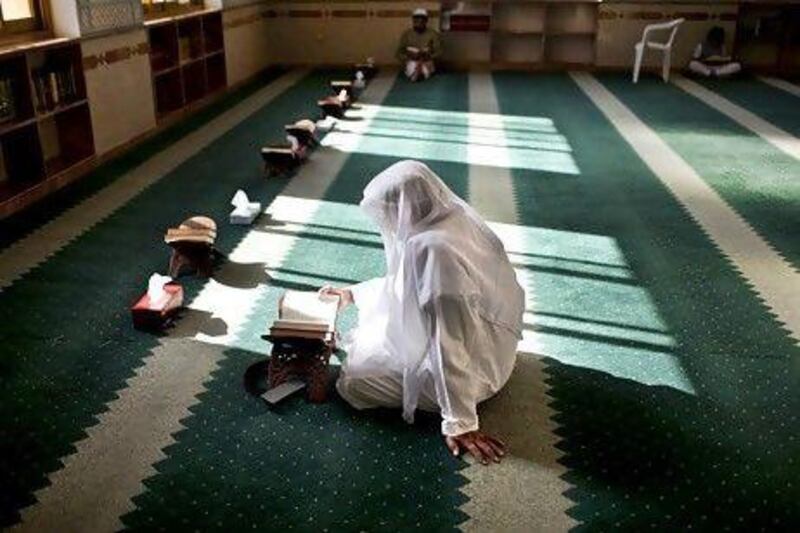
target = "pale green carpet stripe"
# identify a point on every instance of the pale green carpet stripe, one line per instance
(773, 279)
(783, 85)
(779, 138)
(25, 254)
(525, 492)
(491, 191)
(98, 482)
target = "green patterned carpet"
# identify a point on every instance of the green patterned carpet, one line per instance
(315, 468)
(676, 392)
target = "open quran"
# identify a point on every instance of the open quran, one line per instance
(303, 338)
(306, 315)
(417, 54)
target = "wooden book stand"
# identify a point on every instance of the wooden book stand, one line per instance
(281, 159)
(332, 106)
(367, 69)
(304, 131)
(301, 358)
(338, 86)
(192, 245)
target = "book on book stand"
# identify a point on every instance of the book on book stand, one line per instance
(303, 338)
(304, 131)
(306, 315)
(368, 69)
(281, 159)
(192, 245)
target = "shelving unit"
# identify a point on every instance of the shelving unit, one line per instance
(466, 37)
(45, 124)
(571, 34)
(187, 55)
(768, 37)
(525, 34)
(518, 33)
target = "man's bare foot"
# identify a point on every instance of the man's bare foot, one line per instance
(479, 445)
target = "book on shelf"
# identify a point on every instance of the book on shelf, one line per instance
(306, 315)
(8, 106)
(54, 87)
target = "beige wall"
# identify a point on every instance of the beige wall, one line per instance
(620, 26)
(248, 41)
(118, 83)
(340, 33)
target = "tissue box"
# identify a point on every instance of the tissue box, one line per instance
(147, 318)
(246, 216)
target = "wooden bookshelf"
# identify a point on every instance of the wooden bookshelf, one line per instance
(187, 55)
(525, 34)
(45, 124)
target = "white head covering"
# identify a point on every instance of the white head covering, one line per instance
(420, 12)
(412, 205)
(436, 245)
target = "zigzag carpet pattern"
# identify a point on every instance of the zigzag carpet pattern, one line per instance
(657, 383)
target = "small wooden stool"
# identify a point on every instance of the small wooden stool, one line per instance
(332, 106)
(281, 159)
(304, 131)
(337, 86)
(305, 359)
(192, 245)
(369, 70)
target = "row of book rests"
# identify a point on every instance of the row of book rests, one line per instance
(303, 337)
(284, 158)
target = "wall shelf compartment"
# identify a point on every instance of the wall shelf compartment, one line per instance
(188, 59)
(45, 124)
(524, 34)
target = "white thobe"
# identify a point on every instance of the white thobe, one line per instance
(477, 359)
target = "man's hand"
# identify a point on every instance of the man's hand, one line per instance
(479, 445)
(345, 295)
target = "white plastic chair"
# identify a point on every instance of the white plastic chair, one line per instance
(665, 46)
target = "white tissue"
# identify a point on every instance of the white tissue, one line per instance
(155, 290)
(240, 199)
(343, 96)
(359, 83)
(326, 124)
(244, 211)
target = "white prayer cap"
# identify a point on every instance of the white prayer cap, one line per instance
(420, 12)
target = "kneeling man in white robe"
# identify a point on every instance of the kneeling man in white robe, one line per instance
(439, 332)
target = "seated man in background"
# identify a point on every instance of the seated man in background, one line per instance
(419, 47)
(709, 57)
